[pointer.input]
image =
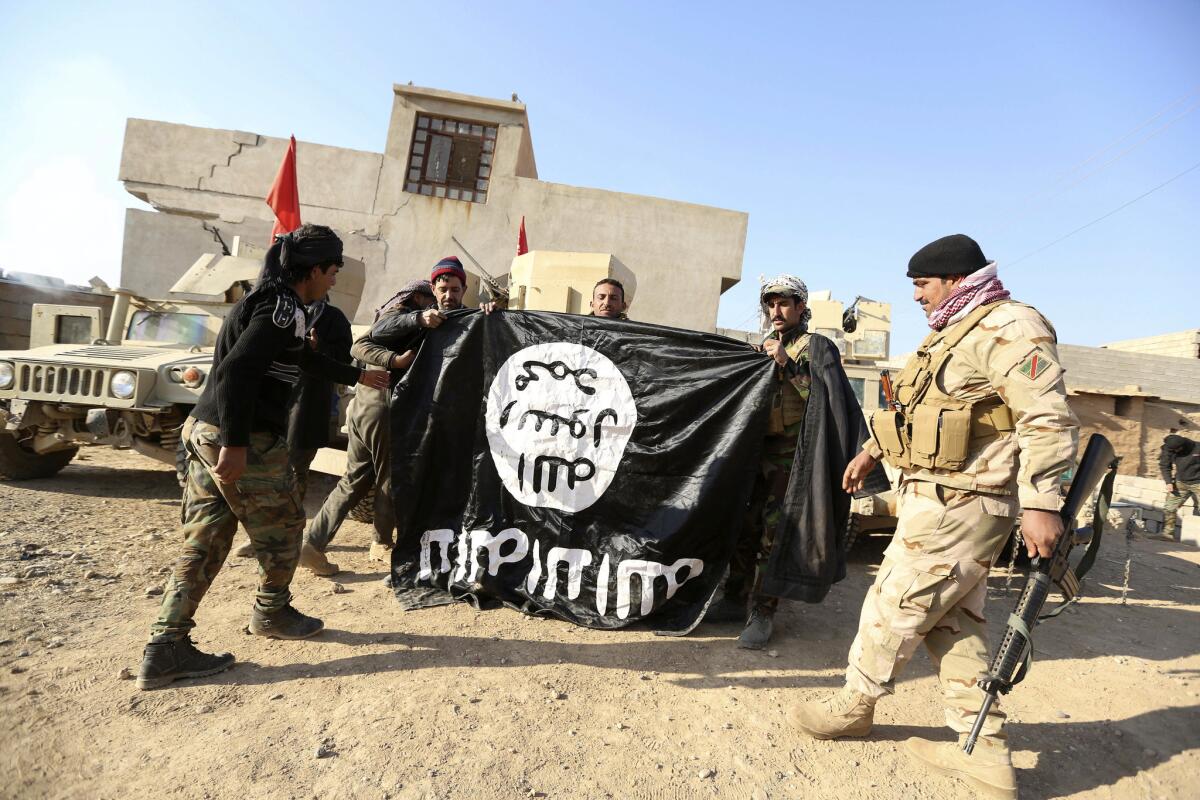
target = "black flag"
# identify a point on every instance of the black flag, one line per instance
(593, 469)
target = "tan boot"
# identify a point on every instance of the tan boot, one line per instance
(315, 560)
(988, 769)
(847, 713)
(380, 551)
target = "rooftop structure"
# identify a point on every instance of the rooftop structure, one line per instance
(457, 174)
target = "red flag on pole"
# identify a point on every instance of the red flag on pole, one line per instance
(284, 197)
(522, 243)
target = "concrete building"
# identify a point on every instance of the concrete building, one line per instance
(1184, 344)
(457, 174)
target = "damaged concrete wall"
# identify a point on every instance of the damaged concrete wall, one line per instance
(684, 255)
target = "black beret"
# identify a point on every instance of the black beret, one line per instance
(951, 255)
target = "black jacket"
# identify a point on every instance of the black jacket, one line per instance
(259, 356)
(309, 421)
(1179, 460)
(809, 554)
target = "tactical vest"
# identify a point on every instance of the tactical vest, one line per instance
(787, 406)
(931, 429)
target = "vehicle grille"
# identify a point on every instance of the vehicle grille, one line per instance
(111, 353)
(60, 382)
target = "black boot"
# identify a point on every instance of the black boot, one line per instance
(165, 660)
(758, 628)
(286, 623)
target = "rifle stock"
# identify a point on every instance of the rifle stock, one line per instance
(1015, 654)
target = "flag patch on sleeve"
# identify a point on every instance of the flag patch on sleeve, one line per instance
(1035, 365)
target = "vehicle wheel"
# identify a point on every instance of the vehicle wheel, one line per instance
(181, 463)
(365, 510)
(853, 531)
(18, 463)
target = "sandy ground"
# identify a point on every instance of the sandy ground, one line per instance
(455, 703)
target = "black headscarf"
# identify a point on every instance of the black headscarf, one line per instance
(294, 253)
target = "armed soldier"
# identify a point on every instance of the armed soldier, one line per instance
(238, 468)
(788, 548)
(983, 430)
(1179, 462)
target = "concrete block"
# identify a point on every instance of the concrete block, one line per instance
(1189, 530)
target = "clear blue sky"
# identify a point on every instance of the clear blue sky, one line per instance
(852, 133)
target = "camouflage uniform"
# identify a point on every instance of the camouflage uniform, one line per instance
(1016, 440)
(264, 500)
(779, 451)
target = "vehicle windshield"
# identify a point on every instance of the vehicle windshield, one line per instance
(161, 326)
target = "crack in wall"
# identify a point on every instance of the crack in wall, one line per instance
(212, 171)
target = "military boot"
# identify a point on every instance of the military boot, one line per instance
(165, 660)
(847, 713)
(286, 623)
(380, 551)
(988, 769)
(313, 559)
(758, 628)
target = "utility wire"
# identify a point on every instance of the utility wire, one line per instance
(1120, 140)
(1121, 207)
(1029, 208)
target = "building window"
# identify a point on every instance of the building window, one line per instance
(451, 158)
(1123, 406)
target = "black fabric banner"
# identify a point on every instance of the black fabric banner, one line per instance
(589, 468)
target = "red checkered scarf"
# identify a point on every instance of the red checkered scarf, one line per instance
(980, 287)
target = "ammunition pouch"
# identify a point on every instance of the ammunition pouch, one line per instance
(935, 430)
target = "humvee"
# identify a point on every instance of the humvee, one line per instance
(130, 381)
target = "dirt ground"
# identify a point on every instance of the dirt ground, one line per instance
(455, 703)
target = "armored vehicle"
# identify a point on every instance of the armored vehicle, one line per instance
(129, 383)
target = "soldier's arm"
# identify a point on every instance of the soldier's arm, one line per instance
(1020, 358)
(368, 352)
(323, 366)
(340, 338)
(395, 330)
(1165, 463)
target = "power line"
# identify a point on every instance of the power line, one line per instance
(1106, 216)
(1093, 172)
(1178, 101)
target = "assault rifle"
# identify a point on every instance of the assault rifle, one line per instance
(1013, 659)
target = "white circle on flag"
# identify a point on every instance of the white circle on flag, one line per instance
(558, 419)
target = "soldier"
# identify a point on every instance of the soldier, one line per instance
(983, 429)
(238, 466)
(390, 339)
(783, 301)
(312, 402)
(368, 450)
(1179, 462)
(608, 299)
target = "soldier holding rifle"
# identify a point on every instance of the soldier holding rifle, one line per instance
(980, 430)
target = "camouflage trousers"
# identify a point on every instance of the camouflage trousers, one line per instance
(264, 500)
(1175, 501)
(758, 535)
(931, 588)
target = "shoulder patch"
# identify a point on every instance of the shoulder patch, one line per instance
(1035, 365)
(284, 315)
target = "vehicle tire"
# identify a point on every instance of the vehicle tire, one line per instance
(365, 510)
(853, 531)
(181, 463)
(17, 463)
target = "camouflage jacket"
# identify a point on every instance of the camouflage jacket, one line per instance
(1010, 355)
